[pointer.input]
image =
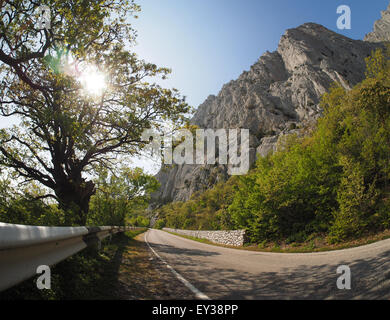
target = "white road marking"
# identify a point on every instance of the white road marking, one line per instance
(200, 295)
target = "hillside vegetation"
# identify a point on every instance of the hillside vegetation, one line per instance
(333, 182)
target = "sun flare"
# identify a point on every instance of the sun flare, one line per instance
(93, 81)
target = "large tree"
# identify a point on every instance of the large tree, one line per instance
(82, 97)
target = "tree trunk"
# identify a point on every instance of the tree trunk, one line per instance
(74, 199)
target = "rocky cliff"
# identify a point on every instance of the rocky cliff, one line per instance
(279, 94)
(381, 28)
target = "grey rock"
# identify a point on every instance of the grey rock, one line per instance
(280, 92)
(267, 145)
(381, 32)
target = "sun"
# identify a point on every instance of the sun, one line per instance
(93, 81)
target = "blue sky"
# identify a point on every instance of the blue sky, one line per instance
(210, 42)
(207, 43)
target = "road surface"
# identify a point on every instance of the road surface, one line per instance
(223, 273)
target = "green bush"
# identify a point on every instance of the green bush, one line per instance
(159, 224)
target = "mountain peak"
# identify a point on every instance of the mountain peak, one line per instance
(381, 32)
(279, 93)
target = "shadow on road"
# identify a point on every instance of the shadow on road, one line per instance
(370, 280)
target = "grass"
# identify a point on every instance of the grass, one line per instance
(318, 244)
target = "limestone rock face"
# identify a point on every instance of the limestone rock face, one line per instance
(280, 92)
(381, 31)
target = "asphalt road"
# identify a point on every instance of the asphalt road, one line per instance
(223, 273)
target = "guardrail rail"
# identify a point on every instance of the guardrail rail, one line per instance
(24, 248)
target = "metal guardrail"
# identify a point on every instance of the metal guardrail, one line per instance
(24, 248)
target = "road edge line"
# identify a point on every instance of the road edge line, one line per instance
(199, 294)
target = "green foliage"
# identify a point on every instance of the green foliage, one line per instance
(288, 194)
(66, 133)
(206, 210)
(25, 208)
(122, 197)
(139, 221)
(335, 181)
(378, 64)
(159, 224)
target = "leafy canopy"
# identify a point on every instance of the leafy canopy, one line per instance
(66, 133)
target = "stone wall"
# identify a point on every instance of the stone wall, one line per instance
(231, 238)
